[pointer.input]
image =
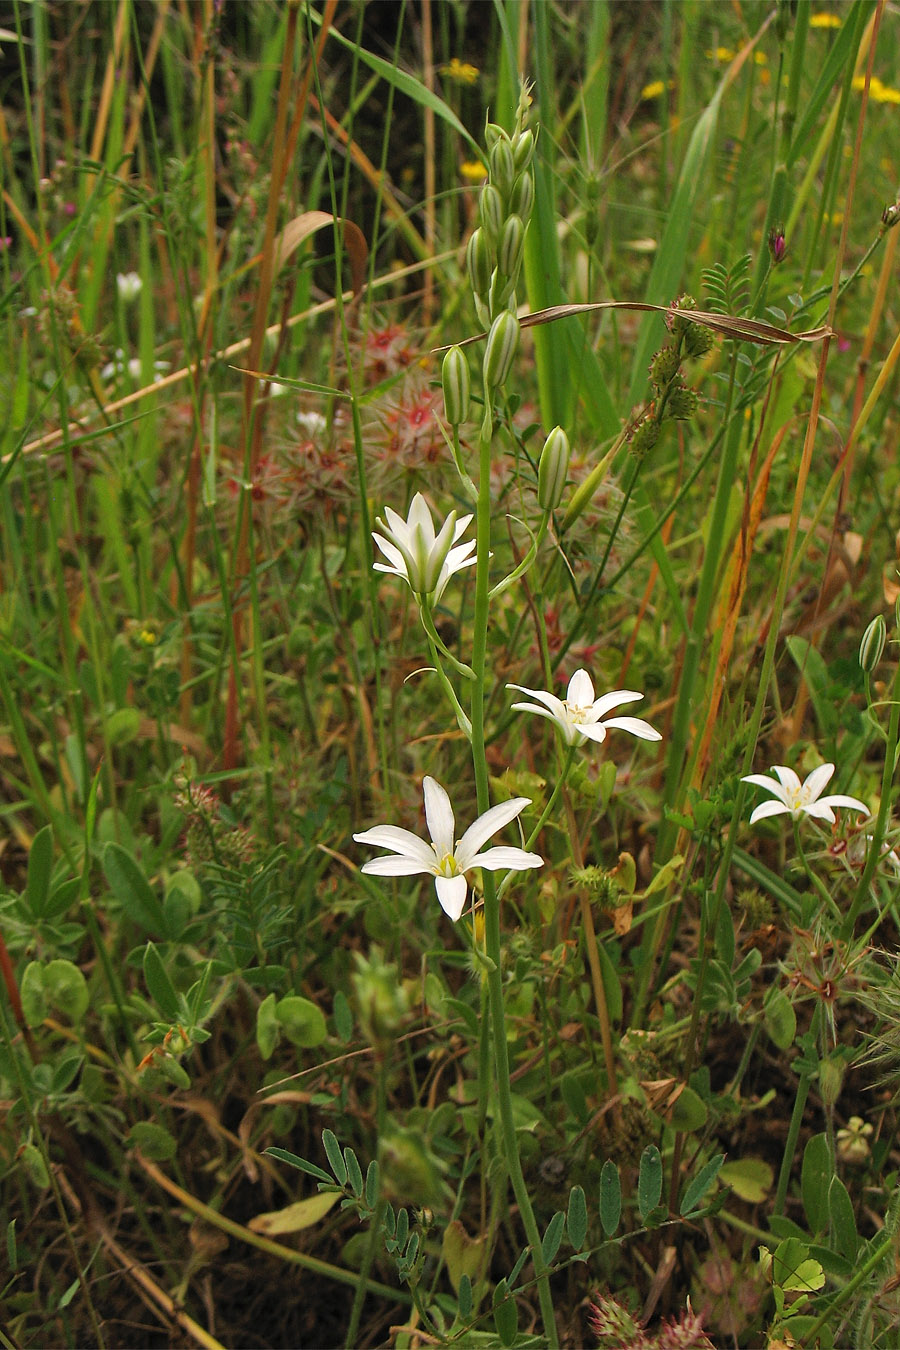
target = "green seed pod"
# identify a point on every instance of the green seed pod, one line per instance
(521, 199)
(479, 263)
(682, 403)
(502, 345)
(644, 437)
(871, 649)
(511, 247)
(455, 383)
(664, 365)
(698, 340)
(502, 166)
(493, 134)
(553, 467)
(523, 150)
(490, 211)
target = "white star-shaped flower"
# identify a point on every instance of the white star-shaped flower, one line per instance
(582, 717)
(448, 861)
(798, 799)
(414, 552)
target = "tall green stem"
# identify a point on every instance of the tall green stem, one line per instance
(491, 900)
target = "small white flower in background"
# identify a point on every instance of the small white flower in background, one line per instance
(582, 717)
(313, 423)
(129, 285)
(448, 861)
(414, 552)
(798, 799)
(134, 368)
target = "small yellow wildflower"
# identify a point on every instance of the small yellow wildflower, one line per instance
(721, 54)
(824, 21)
(760, 58)
(147, 637)
(460, 72)
(878, 92)
(653, 90)
(473, 171)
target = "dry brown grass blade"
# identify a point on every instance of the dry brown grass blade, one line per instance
(729, 325)
(302, 227)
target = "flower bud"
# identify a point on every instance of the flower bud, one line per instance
(871, 649)
(502, 344)
(511, 247)
(523, 150)
(890, 215)
(491, 213)
(777, 245)
(493, 134)
(521, 199)
(553, 467)
(479, 263)
(503, 168)
(455, 383)
(831, 1080)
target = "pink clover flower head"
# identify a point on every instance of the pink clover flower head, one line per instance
(446, 858)
(582, 717)
(797, 799)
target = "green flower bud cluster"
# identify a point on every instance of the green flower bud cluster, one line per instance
(692, 339)
(673, 398)
(496, 248)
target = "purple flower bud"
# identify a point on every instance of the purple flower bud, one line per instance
(777, 245)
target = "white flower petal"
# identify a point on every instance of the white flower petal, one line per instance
(580, 692)
(606, 702)
(481, 830)
(786, 777)
(595, 731)
(401, 841)
(390, 866)
(451, 894)
(439, 816)
(419, 518)
(760, 780)
(820, 810)
(839, 799)
(769, 809)
(815, 783)
(556, 705)
(505, 859)
(637, 726)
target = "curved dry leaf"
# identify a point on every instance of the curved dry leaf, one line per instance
(298, 230)
(294, 1218)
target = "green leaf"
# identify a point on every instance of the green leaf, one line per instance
(343, 1017)
(65, 1069)
(843, 1221)
(464, 1306)
(811, 665)
(780, 1018)
(794, 1270)
(610, 1197)
(577, 1218)
(506, 1314)
(267, 1027)
(815, 1179)
(550, 1243)
(697, 1188)
(132, 890)
(40, 865)
(66, 989)
(32, 994)
(650, 1180)
(334, 1156)
(689, 1112)
(12, 1255)
(462, 1254)
(122, 726)
(283, 1155)
(159, 985)
(354, 1172)
(749, 1178)
(296, 1217)
(301, 1020)
(611, 984)
(373, 1181)
(152, 1140)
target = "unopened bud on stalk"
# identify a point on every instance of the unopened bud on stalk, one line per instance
(493, 134)
(890, 215)
(455, 383)
(490, 211)
(511, 247)
(521, 199)
(831, 1080)
(502, 344)
(553, 467)
(479, 262)
(871, 649)
(503, 168)
(523, 150)
(777, 244)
